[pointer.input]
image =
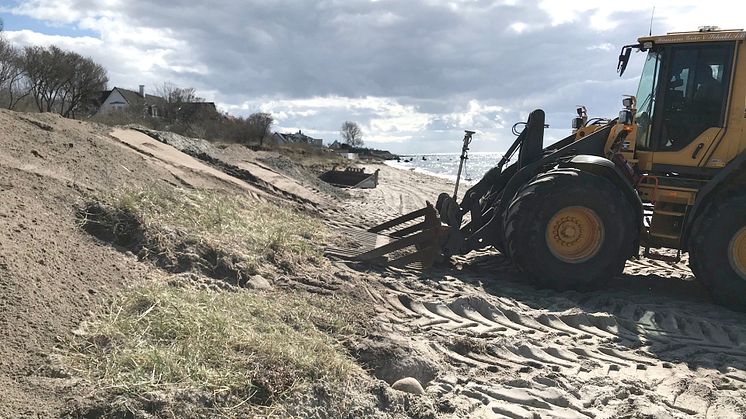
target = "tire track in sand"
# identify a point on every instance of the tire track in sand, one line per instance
(652, 347)
(647, 344)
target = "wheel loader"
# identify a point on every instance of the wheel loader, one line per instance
(668, 172)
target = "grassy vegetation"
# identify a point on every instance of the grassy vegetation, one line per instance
(233, 353)
(231, 220)
(228, 234)
(242, 348)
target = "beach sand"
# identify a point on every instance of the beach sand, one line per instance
(485, 343)
(480, 340)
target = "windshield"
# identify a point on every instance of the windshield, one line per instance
(646, 99)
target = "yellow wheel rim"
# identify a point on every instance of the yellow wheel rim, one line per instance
(575, 234)
(737, 252)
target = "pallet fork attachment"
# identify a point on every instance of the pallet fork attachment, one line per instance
(413, 239)
(428, 235)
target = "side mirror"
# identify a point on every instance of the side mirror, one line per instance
(623, 60)
(629, 102)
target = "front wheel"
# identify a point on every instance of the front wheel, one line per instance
(568, 229)
(717, 250)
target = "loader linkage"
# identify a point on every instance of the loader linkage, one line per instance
(431, 234)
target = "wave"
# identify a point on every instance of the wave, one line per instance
(445, 165)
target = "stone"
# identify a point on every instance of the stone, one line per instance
(258, 282)
(408, 385)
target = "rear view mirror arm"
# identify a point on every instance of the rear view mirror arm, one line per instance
(624, 58)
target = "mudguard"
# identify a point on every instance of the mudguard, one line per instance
(604, 167)
(731, 175)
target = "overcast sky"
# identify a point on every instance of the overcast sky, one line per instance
(413, 73)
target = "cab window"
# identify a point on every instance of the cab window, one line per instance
(646, 99)
(694, 96)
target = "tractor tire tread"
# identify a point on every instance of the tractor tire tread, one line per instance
(553, 186)
(706, 241)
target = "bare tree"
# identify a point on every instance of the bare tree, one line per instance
(174, 94)
(8, 62)
(88, 78)
(258, 126)
(175, 98)
(47, 70)
(352, 134)
(12, 77)
(166, 90)
(12, 81)
(61, 81)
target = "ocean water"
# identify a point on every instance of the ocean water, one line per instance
(445, 165)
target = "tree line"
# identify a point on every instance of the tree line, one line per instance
(54, 79)
(50, 79)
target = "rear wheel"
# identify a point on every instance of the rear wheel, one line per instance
(568, 229)
(717, 250)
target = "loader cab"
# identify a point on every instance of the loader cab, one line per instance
(682, 97)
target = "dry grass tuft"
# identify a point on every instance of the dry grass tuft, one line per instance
(232, 353)
(233, 220)
(219, 234)
(241, 348)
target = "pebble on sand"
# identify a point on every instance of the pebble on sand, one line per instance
(258, 282)
(408, 385)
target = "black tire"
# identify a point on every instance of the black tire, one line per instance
(535, 206)
(709, 247)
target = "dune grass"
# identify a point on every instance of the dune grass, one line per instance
(232, 220)
(222, 234)
(236, 347)
(229, 348)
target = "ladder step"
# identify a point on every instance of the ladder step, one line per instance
(665, 258)
(666, 236)
(672, 213)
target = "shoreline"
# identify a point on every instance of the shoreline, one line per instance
(451, 178)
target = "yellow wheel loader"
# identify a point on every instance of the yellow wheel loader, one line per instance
(669, 172)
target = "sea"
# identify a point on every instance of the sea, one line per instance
(445, 165)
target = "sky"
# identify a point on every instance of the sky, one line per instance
(412, 73)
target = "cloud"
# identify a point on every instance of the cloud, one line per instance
(413, 74)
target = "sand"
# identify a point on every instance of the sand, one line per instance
(650, 344)
(480, 341)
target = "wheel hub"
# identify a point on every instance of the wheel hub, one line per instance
(575, 234)
(737, 253)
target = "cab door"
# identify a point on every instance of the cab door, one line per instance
(693, 97)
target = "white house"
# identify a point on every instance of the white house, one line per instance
(118, 99)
